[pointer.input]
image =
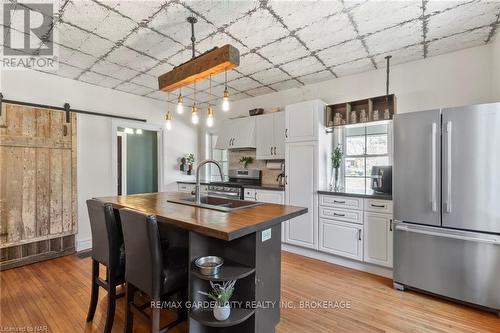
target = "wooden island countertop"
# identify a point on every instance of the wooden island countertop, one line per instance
(222, 225)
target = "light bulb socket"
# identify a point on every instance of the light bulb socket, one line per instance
(194, 109)
(168, 116)
(210, 111)
(180, 99)
(226, 93)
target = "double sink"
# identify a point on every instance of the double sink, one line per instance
(216, 203)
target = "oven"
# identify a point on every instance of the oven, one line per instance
(234, 188)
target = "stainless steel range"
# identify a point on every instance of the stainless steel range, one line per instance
(237, 181)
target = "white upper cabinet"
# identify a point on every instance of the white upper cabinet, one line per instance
(270, 136)
(236, 134)
(303, 121)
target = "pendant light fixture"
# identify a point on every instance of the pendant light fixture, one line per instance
(180, 103)
(210, 110)
(195, 119)
(225, 99)
(168, 115)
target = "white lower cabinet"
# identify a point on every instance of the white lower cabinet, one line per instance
(378, 239)
(341, 238)
(269, 196)
(364, 235)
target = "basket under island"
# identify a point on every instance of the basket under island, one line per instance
(249, 241)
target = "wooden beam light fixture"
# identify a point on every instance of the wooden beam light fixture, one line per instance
(212, 62)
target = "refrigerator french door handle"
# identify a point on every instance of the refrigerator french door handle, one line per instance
(434, 166)
(494, 241)
(448, 167)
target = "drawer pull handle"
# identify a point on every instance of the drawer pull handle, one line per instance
(337, 214)
(377, 206)
(339, 202)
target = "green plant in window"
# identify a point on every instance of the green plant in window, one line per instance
(190, 159)
(336, 163)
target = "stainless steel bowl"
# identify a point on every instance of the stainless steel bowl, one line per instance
(209, 265)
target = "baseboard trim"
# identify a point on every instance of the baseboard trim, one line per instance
(83, 244)
(333, 259)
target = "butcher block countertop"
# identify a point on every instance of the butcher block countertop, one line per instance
(223, 225)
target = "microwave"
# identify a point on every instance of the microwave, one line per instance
(381, 179)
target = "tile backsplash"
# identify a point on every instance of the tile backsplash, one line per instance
(268, 175)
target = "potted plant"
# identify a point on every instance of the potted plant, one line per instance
(246, 160)
(336, 163)
(221, 294)
(190, 162)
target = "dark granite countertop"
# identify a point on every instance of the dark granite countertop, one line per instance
(271, 187)
(368, 194)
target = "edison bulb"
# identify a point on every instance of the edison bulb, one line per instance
(168, 124)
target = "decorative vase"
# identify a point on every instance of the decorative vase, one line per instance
(190, 169)
(222, 312)
(335, 183)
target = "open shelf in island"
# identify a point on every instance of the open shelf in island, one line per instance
(206, 317)
(227, 272)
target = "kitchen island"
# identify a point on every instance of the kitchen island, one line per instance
(249, 241)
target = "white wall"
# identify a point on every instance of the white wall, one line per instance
(459, 78)
(496, 69)
(94, 134)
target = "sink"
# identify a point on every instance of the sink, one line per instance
(216, 203)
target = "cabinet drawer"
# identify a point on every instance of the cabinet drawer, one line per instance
(341, 202)
(378, 206)
(343, 239)
(353, 216)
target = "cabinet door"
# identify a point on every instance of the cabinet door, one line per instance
(300, 191)
(243, 133)
(378, 239)
(275, 197)
(302, 122)
(225, 135)
(264, 136)
(279, 135)
(341, 238)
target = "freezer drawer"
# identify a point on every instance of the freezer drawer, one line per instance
(456, 264)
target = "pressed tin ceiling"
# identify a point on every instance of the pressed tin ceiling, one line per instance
(126, 45)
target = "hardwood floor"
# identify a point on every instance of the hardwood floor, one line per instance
(56, 294)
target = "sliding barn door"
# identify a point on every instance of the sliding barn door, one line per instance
(37, 184)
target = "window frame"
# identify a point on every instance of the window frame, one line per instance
(365, 156)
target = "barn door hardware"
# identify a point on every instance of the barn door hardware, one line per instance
(58, 108)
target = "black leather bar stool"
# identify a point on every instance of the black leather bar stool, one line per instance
(108, 250)
(157, 271)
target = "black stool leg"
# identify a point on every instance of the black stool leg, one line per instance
(129, 315)
(155, 318)
(94, 295)
(111, 302)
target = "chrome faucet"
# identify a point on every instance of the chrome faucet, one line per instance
(197, 186)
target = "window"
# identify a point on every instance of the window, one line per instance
(220, 155)
(365, 147)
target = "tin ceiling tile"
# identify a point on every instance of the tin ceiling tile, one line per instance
(327, 32)
(395, 38)
(68, 71)
(284, 50)
(160, 95)
(292, 13)
(85, 14)
(284, 85)
(400, 56)
(139, 11)
(260, 91)
(146, 80)
(257, 29)
(271, 75)
(70, 36)
(463, 18)
(458, 42)
(244, 83)
(303, 66)
(343, 53)
(115, 27)
(134, 88)
(316, 77)
(96, 46)
(353, 67)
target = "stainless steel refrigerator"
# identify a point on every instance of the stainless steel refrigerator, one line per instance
(447, 203)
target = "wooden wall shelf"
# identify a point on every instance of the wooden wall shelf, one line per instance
(360, 111)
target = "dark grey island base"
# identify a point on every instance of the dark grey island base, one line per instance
(368, 194)
(249, 241)
(256, 265)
